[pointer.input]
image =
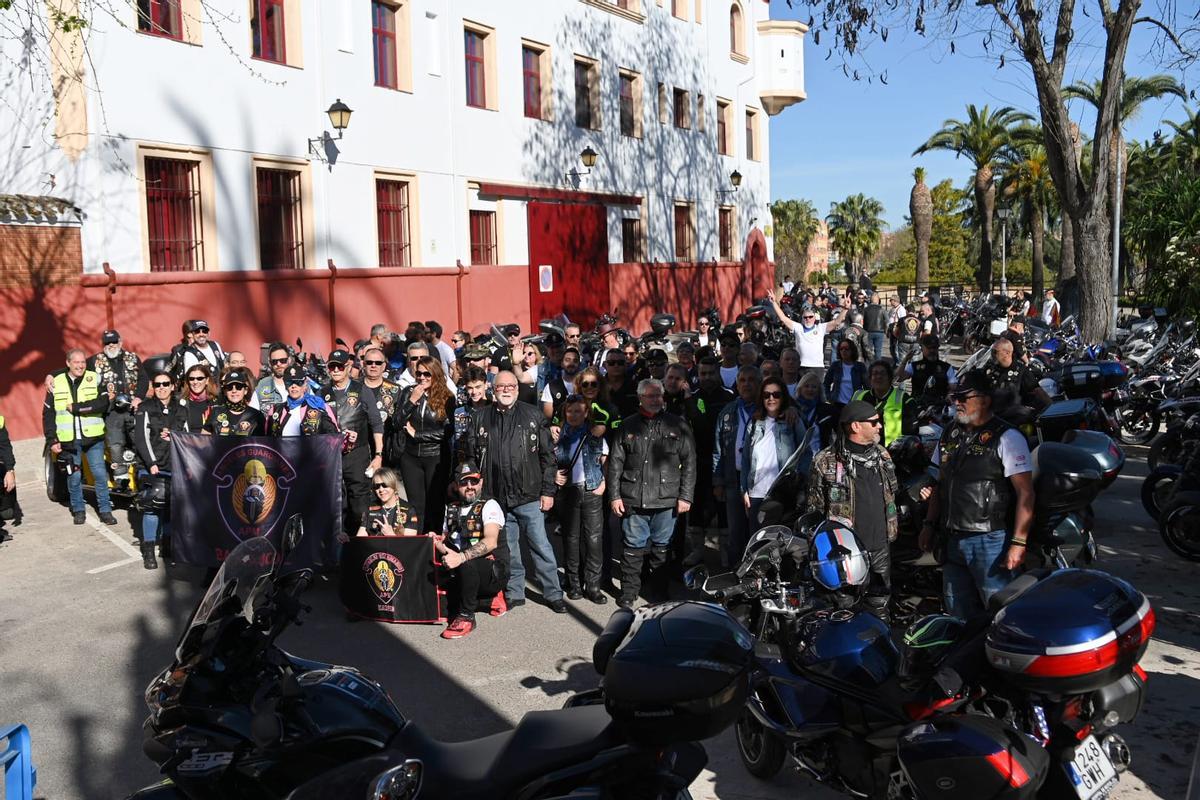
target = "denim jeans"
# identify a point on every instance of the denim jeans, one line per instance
(648, 527)
(95, 458)
(974, 571)
(527, 520)
(877, 343)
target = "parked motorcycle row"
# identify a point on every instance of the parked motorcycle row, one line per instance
(1025, 701)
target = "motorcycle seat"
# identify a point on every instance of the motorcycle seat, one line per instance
(497, 765)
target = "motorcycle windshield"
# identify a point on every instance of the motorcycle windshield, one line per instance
(246, 571)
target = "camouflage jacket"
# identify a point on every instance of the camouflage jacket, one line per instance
(831, 488)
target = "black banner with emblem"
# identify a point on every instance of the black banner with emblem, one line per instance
(391, 579)
(226, 489)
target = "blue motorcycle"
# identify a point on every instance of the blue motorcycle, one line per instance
(1020, 702)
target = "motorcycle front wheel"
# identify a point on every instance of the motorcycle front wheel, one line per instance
(1180, 526)
(1138, 424)
(1170, 447)
(762, 753)
(1157, 489)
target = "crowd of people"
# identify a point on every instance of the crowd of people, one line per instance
(633, 456)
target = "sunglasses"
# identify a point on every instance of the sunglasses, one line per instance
(374, 363)
(295, 382)
(470, 481)
(378, 486)
(423, 373)
(196, 378)
(962, 398)
(241, 387)
(620, 363)
(772, 395)
(337, 367)
(162, 384)
(877, 421)
(279, 360)
(809, 316)
(200, 330)
(588, 385)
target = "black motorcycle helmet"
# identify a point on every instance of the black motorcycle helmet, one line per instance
(122, 404)
(154, 495)
(675, 672)
(662, 324)
(925, 644)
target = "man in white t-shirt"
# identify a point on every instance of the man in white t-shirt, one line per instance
(984, 500)
(810, 334)
(1050, 309)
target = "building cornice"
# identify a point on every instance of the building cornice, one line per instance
(612, 8)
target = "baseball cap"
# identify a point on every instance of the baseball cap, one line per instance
(293, 374)
(657, 355)
(974, 381)
(236, 376)
(476, 351)
(553, 339)
(196, 325)
(512, 329)
(339, 356)
(110, 337)
(467, 469)
(858, 411)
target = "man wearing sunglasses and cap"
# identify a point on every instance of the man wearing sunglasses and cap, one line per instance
(203, 349)
(301, 413)
(474, 553)
(853, 481)
(120, 373)
(984, 499)
(358, 416)
(809, 332)
(233, 416)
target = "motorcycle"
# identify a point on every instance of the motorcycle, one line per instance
(843, 703)
(236, 716)
(1177, 442)
(1179, 518)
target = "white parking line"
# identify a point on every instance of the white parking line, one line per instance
(122, 545)
(114, 565)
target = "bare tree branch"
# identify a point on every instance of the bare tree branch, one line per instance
(1170, 34)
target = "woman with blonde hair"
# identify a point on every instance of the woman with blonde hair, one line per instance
(388, 515)
(426, 413)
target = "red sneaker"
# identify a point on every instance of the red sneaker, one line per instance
(458, 628)
(499, 605)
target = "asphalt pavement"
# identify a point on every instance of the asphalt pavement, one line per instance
(83, 629)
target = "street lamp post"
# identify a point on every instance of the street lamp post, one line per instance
(1002, 213)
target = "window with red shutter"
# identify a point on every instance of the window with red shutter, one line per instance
(383, 38)
(723, 129)
(476, 88)
(267, 30)
(683, 233)
(160, 18)
(173, 214)
(531, 62)
(391, 209)
(483, 237)
(631, 240)
(725, 233)
(280, 229)
(628, 107)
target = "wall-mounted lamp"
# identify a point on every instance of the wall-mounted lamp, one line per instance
(735, 180)
(339, 117)
(588, 157)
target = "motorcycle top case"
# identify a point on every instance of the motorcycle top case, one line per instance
(1082, 380)
(1074, 631)
(1062, 416)
(1065, 478)
(1112, 373)
(680, 674)
(1109, 456)
(957, 756)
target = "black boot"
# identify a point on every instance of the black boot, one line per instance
(148, 559)
(631, 575)
(660, 574)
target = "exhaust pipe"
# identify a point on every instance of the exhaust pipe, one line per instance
(1117, 751)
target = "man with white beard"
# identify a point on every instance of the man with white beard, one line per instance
(984, 500)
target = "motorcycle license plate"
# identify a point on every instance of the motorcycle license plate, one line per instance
(1090, 771)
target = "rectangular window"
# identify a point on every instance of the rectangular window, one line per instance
(280, 227)
(173, 214)
(531, 63)
(723, 118)
(383, 39)
(679, 8)
(267, 30)
(685, 232)
(631, 240)
(391, 211)
(631, 102)
(476, 71)
(160, 18)
(587, 90)
(752, 135)
(483, 237)
(725, 233)
(683, 109)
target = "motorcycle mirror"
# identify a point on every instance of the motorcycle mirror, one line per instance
(293, 532)
(401, 782)
(341, 342)
(694, 578)
(808, 522)
(299, 344)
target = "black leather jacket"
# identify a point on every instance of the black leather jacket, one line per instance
(975, 497)
(432, 434)
(152, 416)
(653, 462)
(513, 449)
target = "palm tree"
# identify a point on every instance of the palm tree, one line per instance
(920, 211)
(981, 138)
(795, 223)
(1185, 144)
(1026, 178)
(856, 231)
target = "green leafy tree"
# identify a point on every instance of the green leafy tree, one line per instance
(981, 138)
(795, 223)
(949, 242)
(856, 230)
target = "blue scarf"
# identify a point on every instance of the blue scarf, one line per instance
(309, 399)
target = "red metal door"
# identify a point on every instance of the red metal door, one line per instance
(571, 239)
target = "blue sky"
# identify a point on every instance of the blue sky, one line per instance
(850, 137)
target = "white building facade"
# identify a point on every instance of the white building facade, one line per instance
(194, 135)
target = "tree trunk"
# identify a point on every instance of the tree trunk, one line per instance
(1037, 236)
(1066, 267)
(985, 202)
(1094, 272)
(920, 209)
